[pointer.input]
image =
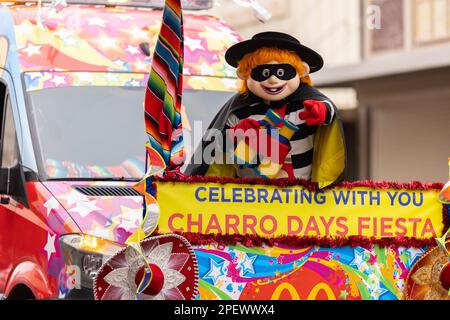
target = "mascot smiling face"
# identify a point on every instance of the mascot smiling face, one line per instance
(272, 74)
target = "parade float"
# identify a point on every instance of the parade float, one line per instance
(284, 238)
(203, 238)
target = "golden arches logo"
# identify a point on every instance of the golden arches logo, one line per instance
(321, 287)
(296, 296)
(289, 288)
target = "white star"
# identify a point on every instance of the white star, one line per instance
(131, 214)
(85, 77)
(97, 22)
(58, 80)
(119, 62)
(186, 71)
(132, 50)
(24, 28)
(215, 270)
(358, 260)
(50, 245)
(193, 44)
(205, 69)
(232, 36)
(101, 232)
(137, 33)
(247, 264)
(107, 42)
(51, 204)
(32, 50)
(85, 208)
(63, 33)
(71, 42)
(112, 77)
(129, 225)
(73, 197)
(377, 292)
(139, 65)
(135, 83)
(138, 199)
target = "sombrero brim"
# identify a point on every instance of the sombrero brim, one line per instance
(176, 256)
(235, 53)
(423, 281)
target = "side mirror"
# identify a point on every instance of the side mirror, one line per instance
(12, 183)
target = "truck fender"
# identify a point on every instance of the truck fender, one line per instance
(29, 274)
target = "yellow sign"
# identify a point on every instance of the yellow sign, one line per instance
(270, 211)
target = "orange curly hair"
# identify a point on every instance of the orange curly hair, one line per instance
(265, 55)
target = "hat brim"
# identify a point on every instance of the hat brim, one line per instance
(235, 53)
(179, 256)
(429, 267)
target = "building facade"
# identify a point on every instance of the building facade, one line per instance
(387, 67)
(403, 90)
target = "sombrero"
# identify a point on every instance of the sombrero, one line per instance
(274, 40)
(429, 278)
(173, 276)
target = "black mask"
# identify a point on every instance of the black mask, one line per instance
(281, 71)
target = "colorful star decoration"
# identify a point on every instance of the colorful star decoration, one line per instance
(50, 245)
(247, 265)
(343, 295)
(215, 270)
(101, 37)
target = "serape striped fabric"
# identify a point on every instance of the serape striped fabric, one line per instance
(164, 148)
(163, 95)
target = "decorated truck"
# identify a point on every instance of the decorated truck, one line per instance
(72, 85)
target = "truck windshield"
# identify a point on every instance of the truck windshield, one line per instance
(98, 132)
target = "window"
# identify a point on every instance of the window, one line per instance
(390, 36)
(10, 150)
(431, 21)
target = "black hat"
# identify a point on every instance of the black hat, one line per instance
(274, 40)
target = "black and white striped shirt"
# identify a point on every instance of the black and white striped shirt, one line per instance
(302, 143)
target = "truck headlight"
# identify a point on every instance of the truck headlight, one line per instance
(87, 254)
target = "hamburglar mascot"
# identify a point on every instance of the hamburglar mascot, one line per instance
(303, 136)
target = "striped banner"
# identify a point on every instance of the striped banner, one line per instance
(163, 124)
(162, 104)
(163, 95)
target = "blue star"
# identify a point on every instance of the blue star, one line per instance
(414, 253)
(247, 265)
(377, 292)
(215, 271)
(359, 259)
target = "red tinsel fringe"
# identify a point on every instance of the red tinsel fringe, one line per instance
(312, 186)
(197, 239)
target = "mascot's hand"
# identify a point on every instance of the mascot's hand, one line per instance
(247, 124)
(315, 112)
(174, 173)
